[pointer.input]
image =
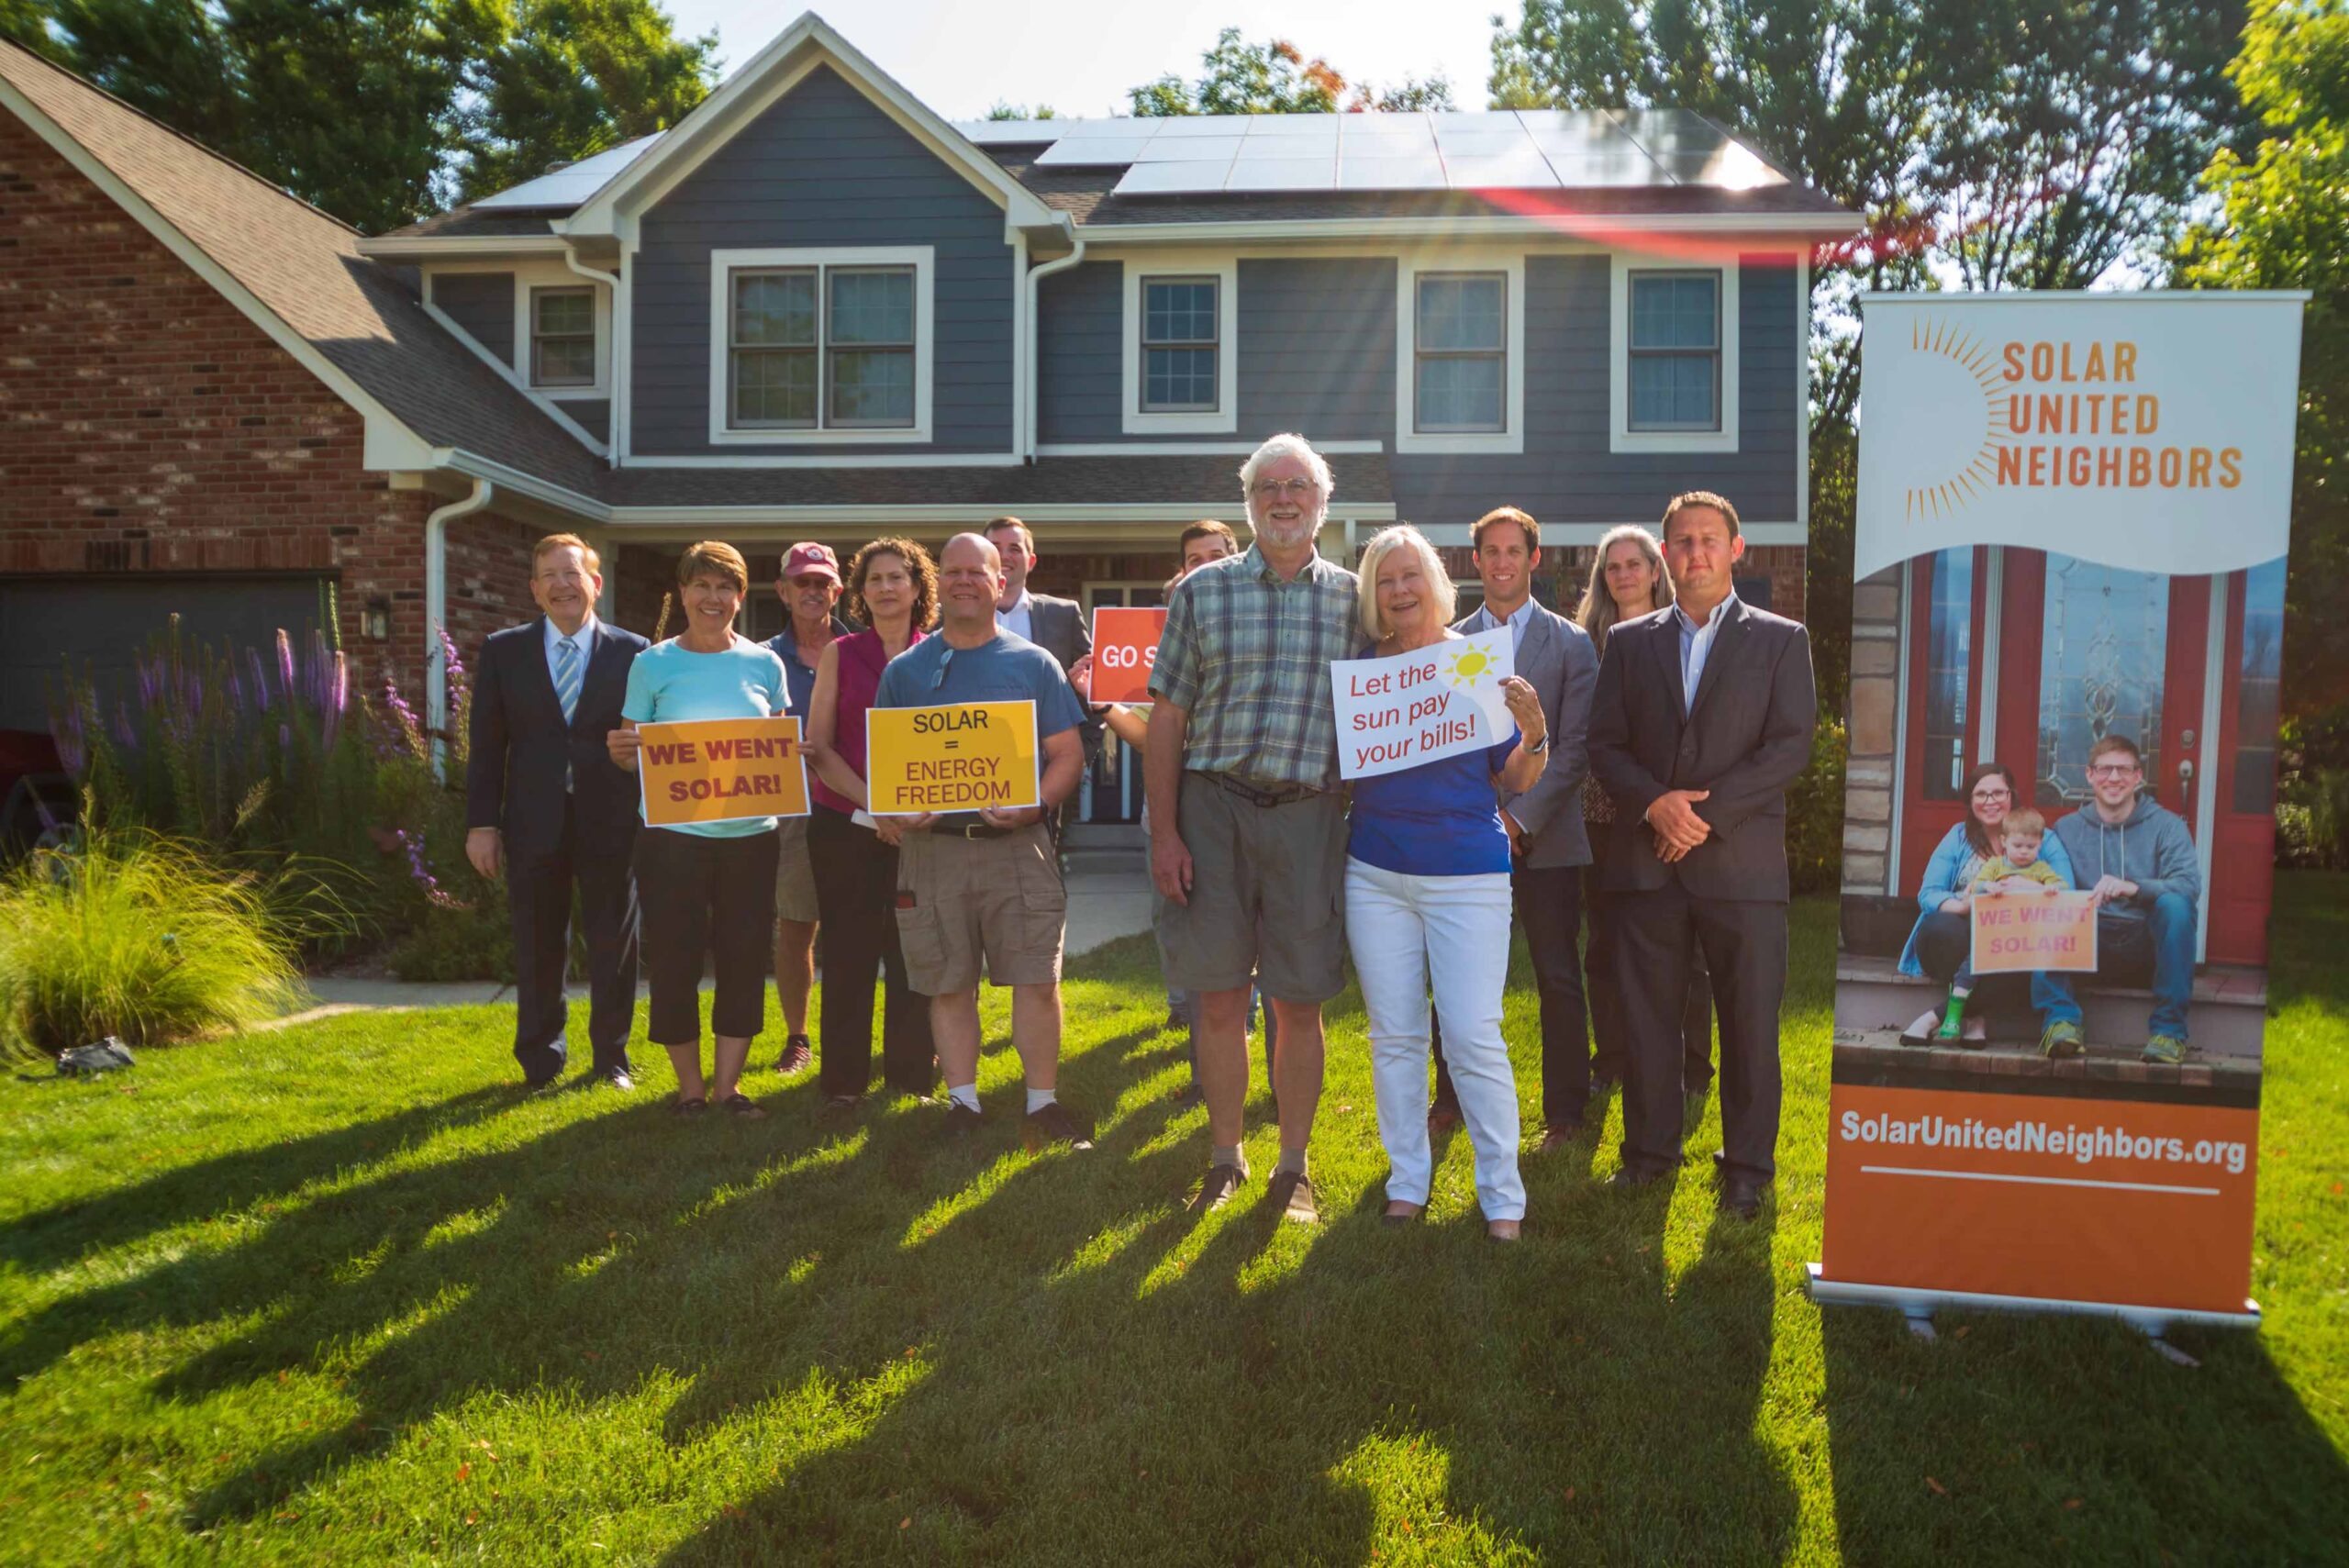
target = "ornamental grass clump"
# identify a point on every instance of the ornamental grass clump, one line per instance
(129, 934)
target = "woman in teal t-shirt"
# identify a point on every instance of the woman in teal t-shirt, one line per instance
(705, 889)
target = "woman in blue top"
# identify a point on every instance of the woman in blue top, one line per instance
(1943, 936)
(1428, 893)
(707, 889)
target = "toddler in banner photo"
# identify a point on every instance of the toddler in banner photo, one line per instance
(2016, 868)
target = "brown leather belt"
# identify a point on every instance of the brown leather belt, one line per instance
(1264, 797)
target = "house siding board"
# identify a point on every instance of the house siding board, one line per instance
(1316, 347)
(823, 167)
(483, 304)
(1566, 475)
(1079, 372)
(593, 415)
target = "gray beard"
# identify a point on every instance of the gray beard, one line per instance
(1301, 534)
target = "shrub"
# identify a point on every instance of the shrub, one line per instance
(128, 933)
(2312, 791)
(1815, 813)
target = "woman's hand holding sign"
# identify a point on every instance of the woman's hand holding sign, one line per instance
(622, 745)
(1525, 706)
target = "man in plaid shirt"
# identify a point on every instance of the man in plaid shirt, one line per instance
(1248, 826)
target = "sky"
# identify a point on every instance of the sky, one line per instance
(1080, 57)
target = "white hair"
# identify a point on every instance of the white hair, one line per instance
(1385, 542)
(1278, 447)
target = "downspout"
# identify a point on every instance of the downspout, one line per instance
(1036, 329)
(436, 612)
(615, 432)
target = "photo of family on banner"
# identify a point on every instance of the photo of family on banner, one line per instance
(2073, 514)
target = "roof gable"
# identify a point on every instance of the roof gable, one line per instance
(807, 44)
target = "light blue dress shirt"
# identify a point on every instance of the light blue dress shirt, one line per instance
(1695, 645)
(1518, 621)
(584, 639)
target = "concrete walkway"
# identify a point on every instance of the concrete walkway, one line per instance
(1108, 897)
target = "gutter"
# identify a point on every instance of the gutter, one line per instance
(615, 435)
(435, 611)
(1036, 326)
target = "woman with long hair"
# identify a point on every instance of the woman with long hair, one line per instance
(1627, 580)
(893, 590)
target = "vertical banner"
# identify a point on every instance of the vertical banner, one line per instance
(2059, 834)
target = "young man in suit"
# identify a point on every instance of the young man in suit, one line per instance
(1702, 718)
(1547, 844)
(1056, 626)
(545, 807)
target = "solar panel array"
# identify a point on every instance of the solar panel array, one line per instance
(1416, 150)
(574, 182)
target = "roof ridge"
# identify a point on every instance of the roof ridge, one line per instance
(78, 80)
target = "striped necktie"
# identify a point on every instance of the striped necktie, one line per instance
(566, 677)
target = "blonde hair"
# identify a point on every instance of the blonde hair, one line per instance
(2025, 820)
(1402, 536)
(714, 555)
(1597, 614)
(552, 542)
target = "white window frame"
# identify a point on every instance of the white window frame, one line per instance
(530, 275)
(533, 338)
(1621, 437)
(723, 264)
(1223, 419)
(1510, 438)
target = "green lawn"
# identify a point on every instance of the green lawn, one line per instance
(341, 1294)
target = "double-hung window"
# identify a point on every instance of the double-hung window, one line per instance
(562, 337)
(1675, 351)
(1460, 370)
(812, 343)
(1179, 342)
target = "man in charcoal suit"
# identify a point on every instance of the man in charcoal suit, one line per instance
(1702, 718)
(545, 807)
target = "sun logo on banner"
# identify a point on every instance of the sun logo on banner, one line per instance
(1469, 665)
(1969, 358)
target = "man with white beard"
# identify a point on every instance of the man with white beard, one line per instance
(1248, 826)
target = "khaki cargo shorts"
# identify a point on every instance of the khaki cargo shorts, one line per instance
(1268, 893)
(962, 901)
(794, 878)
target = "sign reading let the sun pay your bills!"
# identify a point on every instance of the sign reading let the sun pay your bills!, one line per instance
(1414, 707)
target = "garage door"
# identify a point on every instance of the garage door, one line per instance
(48, 624)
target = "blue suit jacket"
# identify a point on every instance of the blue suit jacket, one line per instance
(520, 745)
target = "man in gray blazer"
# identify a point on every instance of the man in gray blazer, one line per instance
(1056, 626)
(1545, 828)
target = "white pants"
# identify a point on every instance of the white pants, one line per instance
(1402, 928)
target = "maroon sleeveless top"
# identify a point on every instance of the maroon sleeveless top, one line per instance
(861, 658)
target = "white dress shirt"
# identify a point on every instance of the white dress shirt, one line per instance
(1696, 644)
(1019, 620)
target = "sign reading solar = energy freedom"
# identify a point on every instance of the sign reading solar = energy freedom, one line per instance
(721, 770)
(1397, 712)
(971, 756)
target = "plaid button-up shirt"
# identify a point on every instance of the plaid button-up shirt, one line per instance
(1248, 657)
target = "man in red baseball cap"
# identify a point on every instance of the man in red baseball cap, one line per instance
(808, 584)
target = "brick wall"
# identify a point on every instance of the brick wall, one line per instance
(147, 426)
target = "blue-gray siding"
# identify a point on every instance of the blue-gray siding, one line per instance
(823, 167)
(593, 415)
(483, 304)
(1317, 354)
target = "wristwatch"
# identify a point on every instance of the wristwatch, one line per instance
(1538, 746)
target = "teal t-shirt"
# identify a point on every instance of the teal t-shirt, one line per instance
(670, 684)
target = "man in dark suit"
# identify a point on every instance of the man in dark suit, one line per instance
(1056, 626)
(1702, 718)
(1545, 827)
(545, 807)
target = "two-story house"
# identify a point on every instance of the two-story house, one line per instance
(814, 309)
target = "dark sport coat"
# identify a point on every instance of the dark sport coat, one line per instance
(1746, 739)
(520, 745)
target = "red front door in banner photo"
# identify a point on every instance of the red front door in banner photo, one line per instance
(2129, 1202)
(1125, 646)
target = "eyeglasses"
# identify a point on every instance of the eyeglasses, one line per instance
(1273, 489)
(2115, 771)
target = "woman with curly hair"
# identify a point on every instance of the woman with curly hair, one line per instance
(893, 589)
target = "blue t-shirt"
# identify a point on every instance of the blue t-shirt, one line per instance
(801, 677)
(1441, 819)
(934, 672)
(670, 684)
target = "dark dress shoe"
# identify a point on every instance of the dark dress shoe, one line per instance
(1443, 1116)
(1741, 1196)
(1630, 1179)
(533, 1082)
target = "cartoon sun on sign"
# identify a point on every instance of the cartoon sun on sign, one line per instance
(1469, 665)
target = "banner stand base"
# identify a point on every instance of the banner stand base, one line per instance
(1919, 1305)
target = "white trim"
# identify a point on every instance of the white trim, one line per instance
(1224, 418)
(2206, 752)
(922, 258)
(1023, 335)
(624, 361)
(771, 74)
(1510, 438)
(834, 460)
(389, 443)
(1994, 607)
(433, 248)
(1192, 449)
(2041, 296)
(1899, 728)
(1604, 228)
(1802, 394)
(1621, 437)
(481, 352)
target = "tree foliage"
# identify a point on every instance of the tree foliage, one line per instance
(1004, 111)
(1238, 78)
(2284, 224)
(379, 111)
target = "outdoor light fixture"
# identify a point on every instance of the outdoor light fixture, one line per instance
(375, 621)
